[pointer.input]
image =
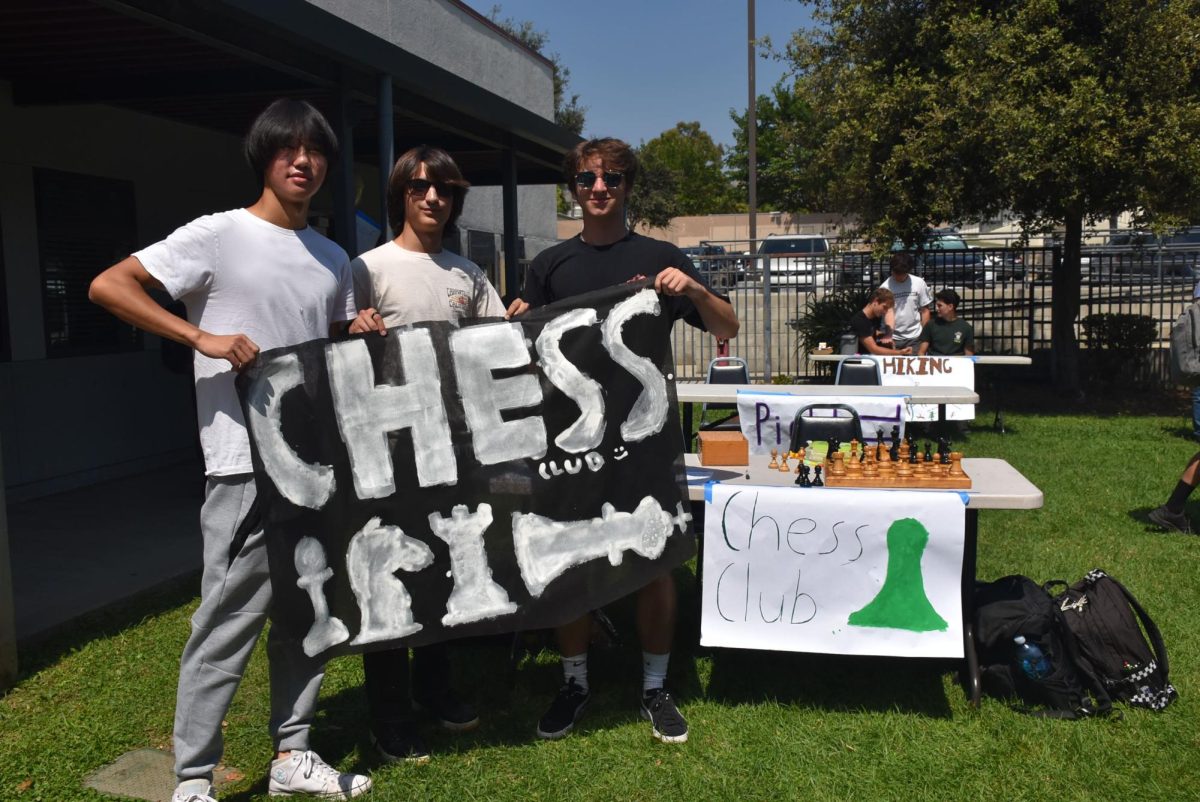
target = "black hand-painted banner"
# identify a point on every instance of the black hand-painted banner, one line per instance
(446, 481)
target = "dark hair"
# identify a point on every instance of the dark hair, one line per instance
(901, 262)
(283, 124)
(615, 154)
(439, 166)
(883, 295)
(948, 296)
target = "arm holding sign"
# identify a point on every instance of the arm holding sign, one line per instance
(717, 313)
(122, 290)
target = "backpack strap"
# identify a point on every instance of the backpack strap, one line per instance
(1156, 640)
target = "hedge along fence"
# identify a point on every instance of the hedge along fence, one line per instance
(1118, 346)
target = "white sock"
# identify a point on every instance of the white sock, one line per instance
(575, 667)
(654, 670)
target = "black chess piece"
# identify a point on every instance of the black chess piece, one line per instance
(894, 452)
(805, 481)
(944, 451)
(816, 482)
(928, 451)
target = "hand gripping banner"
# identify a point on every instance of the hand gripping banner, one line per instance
(444, 481)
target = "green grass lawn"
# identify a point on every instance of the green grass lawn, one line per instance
(764, 725)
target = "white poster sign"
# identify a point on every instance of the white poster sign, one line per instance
(766, 418)
(838, 571)
(930, 371)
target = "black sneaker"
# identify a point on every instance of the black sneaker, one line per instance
(1171, 521)
(564, 711)
(667, 724)
(451, 712)
(400, 743)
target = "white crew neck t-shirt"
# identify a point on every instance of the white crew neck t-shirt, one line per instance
(237, 273)
(409, 286)
(912, 296)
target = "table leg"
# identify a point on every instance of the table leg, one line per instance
(687, 426)
(970, 542)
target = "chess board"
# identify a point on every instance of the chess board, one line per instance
(872, 467)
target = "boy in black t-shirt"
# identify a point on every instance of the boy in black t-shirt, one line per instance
(867, 324)
(947, 334)
(600, 174)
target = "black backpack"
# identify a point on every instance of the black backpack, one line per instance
(1016, 605)
(1100, 613)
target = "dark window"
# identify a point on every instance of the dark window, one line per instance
(5, 321)
(481, 249)
(85, 224)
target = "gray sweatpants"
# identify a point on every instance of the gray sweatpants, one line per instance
(235, 600)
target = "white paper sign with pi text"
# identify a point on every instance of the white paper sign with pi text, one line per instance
(836, 571)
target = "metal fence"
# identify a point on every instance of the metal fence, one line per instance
(1006, 295)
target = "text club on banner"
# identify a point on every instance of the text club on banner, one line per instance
(445, 481)
(862, 572)
(930, 371)
(766, 418)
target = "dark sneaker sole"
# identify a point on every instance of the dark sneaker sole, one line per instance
(412, 760)
(667, 739)
(447, 724)
(565, 731)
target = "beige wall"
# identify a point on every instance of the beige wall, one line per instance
(692, 230)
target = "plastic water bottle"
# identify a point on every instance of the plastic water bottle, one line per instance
(1030, 659)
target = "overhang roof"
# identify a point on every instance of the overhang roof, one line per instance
(216, 64)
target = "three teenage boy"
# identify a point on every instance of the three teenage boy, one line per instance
(252, 278)
(601, 173)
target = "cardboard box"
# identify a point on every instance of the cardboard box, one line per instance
(723, 448)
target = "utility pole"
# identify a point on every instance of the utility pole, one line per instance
(752, 130)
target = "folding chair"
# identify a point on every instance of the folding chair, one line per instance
(725, 370)
(837, 420)
(857, 371)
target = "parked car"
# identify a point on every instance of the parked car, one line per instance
(799, 259)
(944, 258)
(715, 266)
(1143, 256)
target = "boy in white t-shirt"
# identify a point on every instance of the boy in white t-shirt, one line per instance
(251, 279)
(411, 279)
(911, 312)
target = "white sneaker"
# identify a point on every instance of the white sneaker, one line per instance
(306, 773)
(194, 791)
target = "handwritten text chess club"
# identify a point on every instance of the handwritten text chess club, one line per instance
(455, 476)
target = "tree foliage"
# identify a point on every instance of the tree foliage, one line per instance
(783, 149)
(654, 199)
(696, 164)
(567, 110)
(1059, 110)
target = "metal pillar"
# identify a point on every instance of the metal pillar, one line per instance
(344, 229)
(8, 626)
(387, 151)
(511, 286)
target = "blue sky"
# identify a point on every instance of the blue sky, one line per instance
(640, 66)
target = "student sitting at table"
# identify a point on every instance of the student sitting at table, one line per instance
(867, 324)
(947, 334)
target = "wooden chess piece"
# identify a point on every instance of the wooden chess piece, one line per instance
(774, 458)
(956, 468)
(800, 459)
(783, 466)
(838, 466)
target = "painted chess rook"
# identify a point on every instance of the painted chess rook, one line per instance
(546, 548)
(314, 572)
(476, 594)
(369, 408)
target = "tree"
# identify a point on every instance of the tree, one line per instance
(567, 111)
(696, 164)
(783, 149)
(1061, 111)
(654, 199)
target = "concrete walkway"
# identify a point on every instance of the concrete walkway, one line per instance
(79, 551)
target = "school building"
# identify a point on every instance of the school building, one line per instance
(122, 119)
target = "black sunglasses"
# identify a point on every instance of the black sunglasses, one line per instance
(587, 180)
(419, 187)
